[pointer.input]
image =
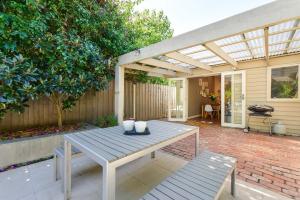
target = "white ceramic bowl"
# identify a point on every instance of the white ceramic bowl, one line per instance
(140, 126)
(128, 125)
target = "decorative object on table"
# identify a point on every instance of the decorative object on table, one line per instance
(140, 126)
(128, 125)
(134, 132)
(135, 128)
(213, 98)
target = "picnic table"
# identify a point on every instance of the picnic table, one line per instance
(110, 148)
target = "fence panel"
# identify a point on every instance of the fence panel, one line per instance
(151, 103)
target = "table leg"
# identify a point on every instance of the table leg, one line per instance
(197, 143)
(109, 183)
(233, 175)
(152, 154)
(67, 171)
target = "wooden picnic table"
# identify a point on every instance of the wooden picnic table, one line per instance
(110, 148)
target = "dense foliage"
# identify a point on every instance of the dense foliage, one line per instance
(68, 47)
(18, 84)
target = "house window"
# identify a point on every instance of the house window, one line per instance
(283, 83)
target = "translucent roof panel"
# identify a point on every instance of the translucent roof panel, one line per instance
(215, 59)
(192, 49)
(294, 47)
(256, 43)
(277, 49)
(185, 65)
(235, 47)
(242, 55)
(229, 40)
(254, 34)
(217, 62)
(258, 53)
(297, 35)
(173, 61)
(202, 54)
(282, 37)
(282, 26)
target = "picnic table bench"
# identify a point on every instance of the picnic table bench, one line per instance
(201, 179)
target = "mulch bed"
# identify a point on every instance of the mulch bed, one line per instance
(38, 131)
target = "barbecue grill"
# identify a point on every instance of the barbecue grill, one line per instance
(262, 111)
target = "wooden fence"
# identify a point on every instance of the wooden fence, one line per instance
(151, 103)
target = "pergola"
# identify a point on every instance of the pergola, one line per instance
(265, 32)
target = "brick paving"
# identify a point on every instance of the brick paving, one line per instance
(270, 162)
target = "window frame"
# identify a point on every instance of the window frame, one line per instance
(269, 84)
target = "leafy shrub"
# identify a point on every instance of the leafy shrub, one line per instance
(61, 49)
(107, 121)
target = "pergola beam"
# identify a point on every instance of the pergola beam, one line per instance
(186, 59)
(165, 65)
(219, 52)
(266, 45)
(119, 93)
(292, 35)
(152, 70)
(247, 45)
(247, 21)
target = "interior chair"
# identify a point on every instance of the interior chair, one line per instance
(208, 110)
(217, 110)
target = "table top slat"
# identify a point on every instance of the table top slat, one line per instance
(114, 145)
(101, 145)
(116, 141)
(92, 148)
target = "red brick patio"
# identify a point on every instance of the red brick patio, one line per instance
(270, 162)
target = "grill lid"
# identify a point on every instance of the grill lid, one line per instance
(260, 108)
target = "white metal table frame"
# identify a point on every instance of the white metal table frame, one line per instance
(109, 168)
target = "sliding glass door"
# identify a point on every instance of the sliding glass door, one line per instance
(178, 94)
(233, 99)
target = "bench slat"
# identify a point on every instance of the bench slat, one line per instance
(170, 193)
(200, 179)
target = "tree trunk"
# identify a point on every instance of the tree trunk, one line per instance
(57, 101)
(59, 116)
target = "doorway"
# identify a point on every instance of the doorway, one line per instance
(178, 99)
(233, 92)
(205, 92)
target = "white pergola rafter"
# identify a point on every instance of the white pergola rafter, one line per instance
(266, 45)
(219, 52)
(186, 59)
(256, 18)
(150, 69)
(165, 65)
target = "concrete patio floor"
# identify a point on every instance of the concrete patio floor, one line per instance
(269, 162)
(35, 182)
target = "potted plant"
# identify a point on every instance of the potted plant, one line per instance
(213, 98)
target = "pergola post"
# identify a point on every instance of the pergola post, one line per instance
(119, 92)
